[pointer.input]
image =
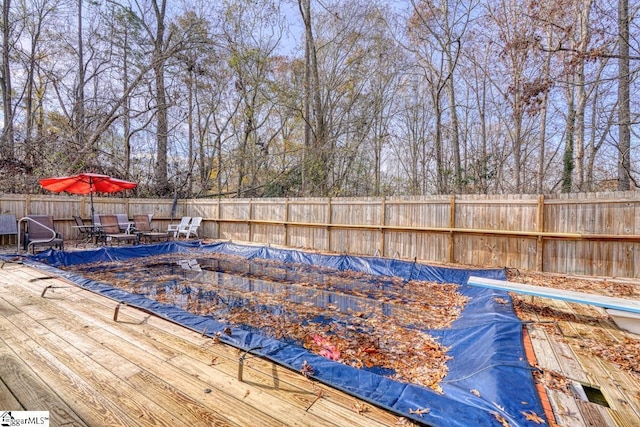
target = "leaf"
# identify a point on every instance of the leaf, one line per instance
(502, 420)
(360, 407)
(419, 411)
(307, 369)
(532, 416)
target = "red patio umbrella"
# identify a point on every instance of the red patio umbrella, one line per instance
(86, 183)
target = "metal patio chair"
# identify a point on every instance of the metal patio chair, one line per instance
(146, 232)
(111, 231)
(39, 230)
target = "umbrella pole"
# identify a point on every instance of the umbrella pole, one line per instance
(91, 200)
(92, 212)
(93, 224)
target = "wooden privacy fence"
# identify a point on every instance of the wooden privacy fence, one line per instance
(593, 234)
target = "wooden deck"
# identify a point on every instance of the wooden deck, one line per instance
(564, 337)
(65, 353)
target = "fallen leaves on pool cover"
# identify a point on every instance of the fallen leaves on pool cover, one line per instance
(371, 322)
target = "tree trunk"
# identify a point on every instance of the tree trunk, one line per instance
(30, 111)
(160, 176)
(568, 165)
(543, 119)
(581, 97)
(161, 180)
(455, 135)
(441, 182)
(317, 159)
(79, 101)
(624, 112)
(190, 89)
(7, 145)
(126, 107)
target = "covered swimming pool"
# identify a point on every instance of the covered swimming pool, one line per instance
(405, 336)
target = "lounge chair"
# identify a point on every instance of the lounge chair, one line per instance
(111, 231)
(39, 231)
(123, 222)
(192, 228)
(145, 232)
(183, 225)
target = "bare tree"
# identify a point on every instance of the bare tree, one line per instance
(316, 157)
(624, 112)
(7, 140)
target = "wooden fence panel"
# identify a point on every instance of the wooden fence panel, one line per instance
(593, 234)
(412, 212)
(614, 216)
(14, 204)
(160, 208)
(496, 214)
(432, 212)
(268, 233)
(269, 210)
(233, 210)
(309, 217)
(311, 210)
(308, 237)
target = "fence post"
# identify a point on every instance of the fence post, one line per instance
(452, 226)
(250, 219)
(539, 240)
(286, 221)
(383, 222)
(329, 222)
(218, 223)
(27, 205)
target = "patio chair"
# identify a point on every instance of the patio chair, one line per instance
(84, 231)
(111, 231)
(192, 228)
(8, 226)
(174, 228)
(124, 223)
(145, 232)
(39, 231)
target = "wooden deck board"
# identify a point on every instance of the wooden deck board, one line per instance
(87, 402)
(143, 370)
(21, 389)
(565, 409)
(576, 323)
(124, 396)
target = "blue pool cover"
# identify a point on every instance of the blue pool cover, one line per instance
(489, 381)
